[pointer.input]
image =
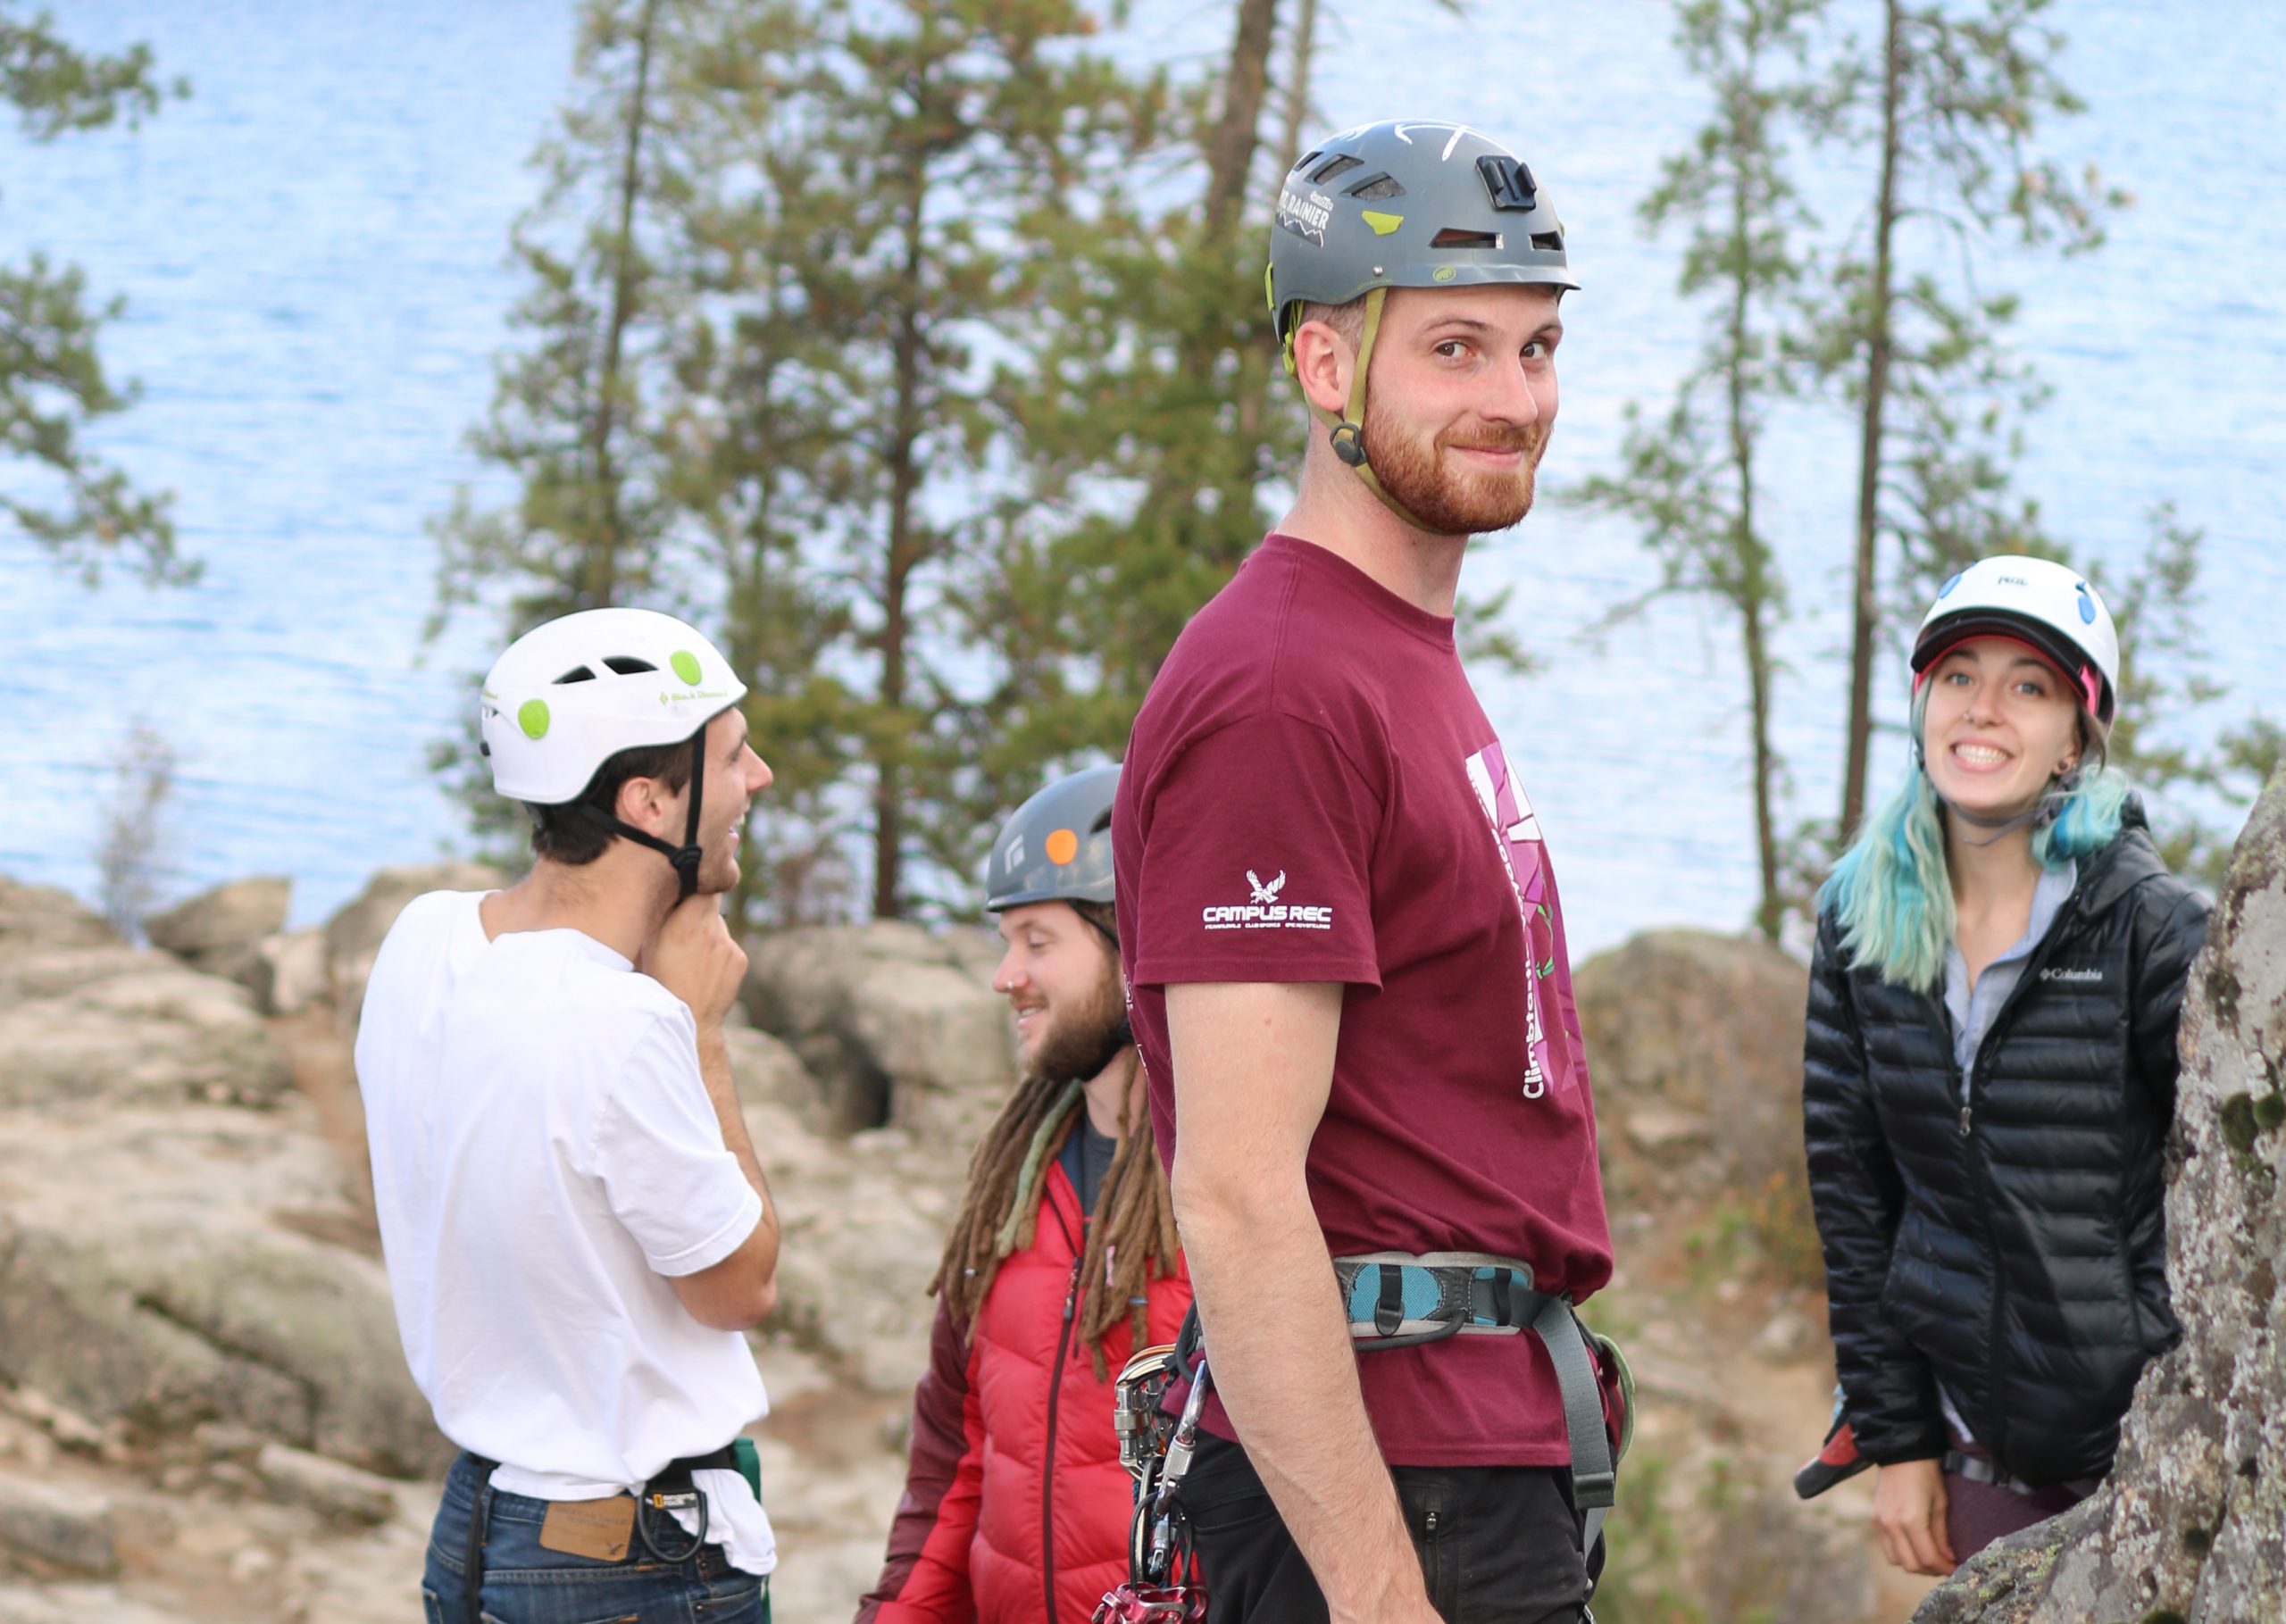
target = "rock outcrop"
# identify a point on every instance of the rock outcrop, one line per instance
(216, 931)
(2191, 1527)
(900, 1026)
(85, 1018)
(1695, 1043)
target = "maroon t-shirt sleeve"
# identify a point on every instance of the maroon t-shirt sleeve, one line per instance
(1258, 859)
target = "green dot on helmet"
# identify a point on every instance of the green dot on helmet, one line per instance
(686, 664)
(531, 716)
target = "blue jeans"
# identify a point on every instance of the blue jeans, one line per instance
(525, 1583)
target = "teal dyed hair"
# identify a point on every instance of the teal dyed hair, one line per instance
(1892, 893)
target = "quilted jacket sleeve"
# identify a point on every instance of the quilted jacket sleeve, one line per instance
(2171, 929)
(924, 1576)
(1857, 1196)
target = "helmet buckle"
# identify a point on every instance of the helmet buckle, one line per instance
(1348, 444)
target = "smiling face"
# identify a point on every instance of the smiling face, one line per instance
(1461, 398)
(1061, 978)
(2001, 724)
(734, 775)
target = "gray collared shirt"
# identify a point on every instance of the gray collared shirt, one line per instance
(1972, 1010)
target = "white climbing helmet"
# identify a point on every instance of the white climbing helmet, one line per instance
(569, 694)
(2035, 601)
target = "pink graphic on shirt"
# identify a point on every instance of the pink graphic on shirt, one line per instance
(1526, 857)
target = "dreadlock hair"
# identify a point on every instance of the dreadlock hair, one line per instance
(1130, 1239)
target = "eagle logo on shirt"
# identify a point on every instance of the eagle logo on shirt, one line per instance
(1266, 894)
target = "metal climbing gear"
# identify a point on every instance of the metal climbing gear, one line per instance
(1157, 1449)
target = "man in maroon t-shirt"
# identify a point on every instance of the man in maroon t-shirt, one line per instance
(1349, 980)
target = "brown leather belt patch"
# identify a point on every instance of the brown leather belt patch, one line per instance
(596, 1529)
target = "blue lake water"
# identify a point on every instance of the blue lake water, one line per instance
(313, 249)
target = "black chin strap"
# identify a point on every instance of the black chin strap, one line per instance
(1123, 1034)
(685, 857)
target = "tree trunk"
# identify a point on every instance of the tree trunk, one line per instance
(1230, 149)
(1866, 620)
(904, 556)
(600, 577)
(2187, 1530)
(1753, 576)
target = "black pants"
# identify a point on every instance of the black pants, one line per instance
(1499, 1544)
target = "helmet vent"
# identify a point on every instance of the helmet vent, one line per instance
(1453, 236)
(1550, 242)
(1340, 164)
(1308, 158)
(626, 665)
(578, 674)
(1375, 187)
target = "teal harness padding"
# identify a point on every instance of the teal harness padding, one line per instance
(1399, 1299)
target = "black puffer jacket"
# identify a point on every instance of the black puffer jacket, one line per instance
(2015, 1248)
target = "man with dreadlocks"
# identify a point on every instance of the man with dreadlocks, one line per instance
(1061, 1262)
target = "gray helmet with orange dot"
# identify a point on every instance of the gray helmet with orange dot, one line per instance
(1056, 847)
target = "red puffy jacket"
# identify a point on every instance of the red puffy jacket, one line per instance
(1016, 1508)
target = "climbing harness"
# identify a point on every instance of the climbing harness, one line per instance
(1394, 1300)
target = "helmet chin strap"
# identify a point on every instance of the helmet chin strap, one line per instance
(1346, 434)
(686, 857)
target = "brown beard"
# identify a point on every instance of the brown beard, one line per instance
(1079, 1042)
(1447, 502)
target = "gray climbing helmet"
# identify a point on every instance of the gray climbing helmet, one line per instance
(1056, 847)
(1402, 203)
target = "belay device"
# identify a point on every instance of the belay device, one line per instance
(1393, 1299)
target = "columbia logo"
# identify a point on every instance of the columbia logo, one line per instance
(2059, 974)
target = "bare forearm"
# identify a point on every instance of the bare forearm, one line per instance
(1279, 1353)
(722, 1093)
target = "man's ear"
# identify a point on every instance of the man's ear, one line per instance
(642, 802)
(1322, 363)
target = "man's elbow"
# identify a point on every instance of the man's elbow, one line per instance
(1213, 1201)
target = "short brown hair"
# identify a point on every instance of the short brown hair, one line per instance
(563, 836)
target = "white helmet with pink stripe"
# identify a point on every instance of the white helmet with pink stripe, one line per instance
(2038, 601)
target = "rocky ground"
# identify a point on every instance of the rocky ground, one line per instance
(204, 1413)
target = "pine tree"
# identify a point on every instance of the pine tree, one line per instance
(1148, 419)
(961, 134)
(1945, 100)
(52, 381)
(761, 383)
(574, 416)
(1693, 478)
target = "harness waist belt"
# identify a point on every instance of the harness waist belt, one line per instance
(1400, 1299)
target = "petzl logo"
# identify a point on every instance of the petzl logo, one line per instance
(1264, 911)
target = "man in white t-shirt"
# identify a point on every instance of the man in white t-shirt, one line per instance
(576, 1229)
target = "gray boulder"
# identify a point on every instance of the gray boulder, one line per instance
(146, 1279)
(353, 936)
(288, 973)
(2190, 1526)
(40, 917)
(895, 1022)
(1695, 1042)
(84, 1024)
(216, 930)
(64, 1527)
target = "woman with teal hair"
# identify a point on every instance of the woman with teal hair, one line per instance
(1989, 1076)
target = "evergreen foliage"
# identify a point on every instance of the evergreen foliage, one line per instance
(1945, 98)
(52, 381)
(1691, 480)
